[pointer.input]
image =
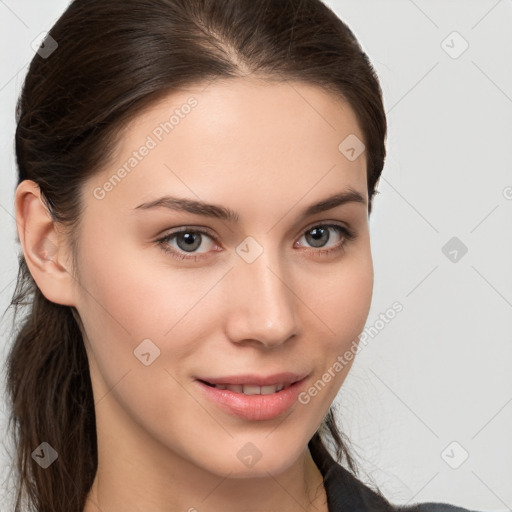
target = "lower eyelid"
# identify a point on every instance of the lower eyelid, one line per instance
(345, 233)
(164, 242)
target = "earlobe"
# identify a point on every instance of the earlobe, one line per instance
(43, 245)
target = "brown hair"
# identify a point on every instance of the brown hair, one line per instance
(115, 58)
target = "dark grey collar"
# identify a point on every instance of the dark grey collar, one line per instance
(345, 493)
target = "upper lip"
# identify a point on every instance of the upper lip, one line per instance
(256, 380)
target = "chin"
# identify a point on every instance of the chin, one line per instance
(255, 456)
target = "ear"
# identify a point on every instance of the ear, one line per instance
(44, 246)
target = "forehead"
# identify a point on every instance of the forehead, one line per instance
(235, 138)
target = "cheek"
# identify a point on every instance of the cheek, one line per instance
(343, 297)
(342, 304)
(128, 296)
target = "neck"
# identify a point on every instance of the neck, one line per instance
(135, 472)
(128, 487)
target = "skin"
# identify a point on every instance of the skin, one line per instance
(267, 150)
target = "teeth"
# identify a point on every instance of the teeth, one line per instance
(249, 389)
(268, 390)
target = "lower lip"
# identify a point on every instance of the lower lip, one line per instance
(254, 407)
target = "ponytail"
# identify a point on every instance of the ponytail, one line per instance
(52, 417)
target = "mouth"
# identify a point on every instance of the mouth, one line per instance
(251, 389)
(253, 397)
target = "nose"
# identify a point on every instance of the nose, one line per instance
(262, 303)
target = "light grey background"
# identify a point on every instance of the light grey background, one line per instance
(439, 372)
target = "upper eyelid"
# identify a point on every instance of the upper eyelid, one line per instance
(209, 232)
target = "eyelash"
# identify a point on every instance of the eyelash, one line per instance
(348, 235)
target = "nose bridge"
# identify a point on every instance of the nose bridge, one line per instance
(264, 304)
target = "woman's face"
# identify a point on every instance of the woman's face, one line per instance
(255, 291)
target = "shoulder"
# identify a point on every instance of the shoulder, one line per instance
(432, 507)
(347, 493)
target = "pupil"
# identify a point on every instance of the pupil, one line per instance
(192, 241)
(317, 235)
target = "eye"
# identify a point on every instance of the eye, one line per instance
(188, 240)
(318, 236)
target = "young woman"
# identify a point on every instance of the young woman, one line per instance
(195, 180)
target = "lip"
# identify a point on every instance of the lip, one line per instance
(253, 407)
(256, 380)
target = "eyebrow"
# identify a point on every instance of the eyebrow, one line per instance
(223, 213)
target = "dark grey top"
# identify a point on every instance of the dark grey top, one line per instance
(346, 493)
